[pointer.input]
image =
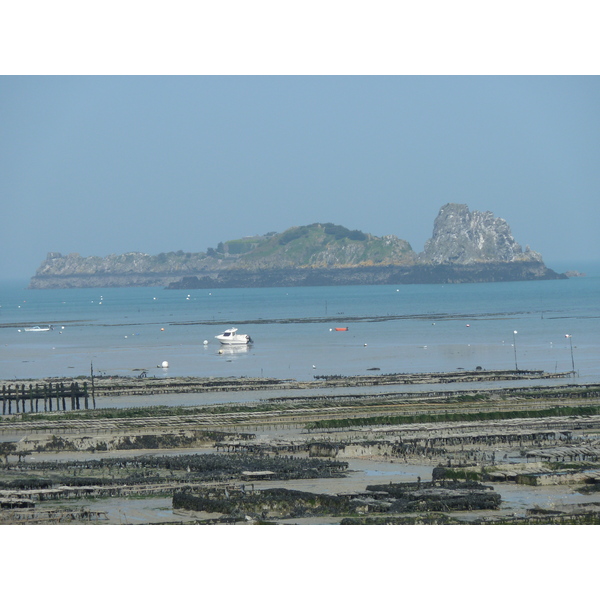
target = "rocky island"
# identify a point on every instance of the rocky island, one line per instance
(466, 246)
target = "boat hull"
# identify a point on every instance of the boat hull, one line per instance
(243, 342)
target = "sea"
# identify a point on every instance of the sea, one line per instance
(552, 326)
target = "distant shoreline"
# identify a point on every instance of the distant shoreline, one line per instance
(305, 277)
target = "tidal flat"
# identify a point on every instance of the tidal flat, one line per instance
(517, 454)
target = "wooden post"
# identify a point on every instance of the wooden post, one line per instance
(49, 392)
(85, 394)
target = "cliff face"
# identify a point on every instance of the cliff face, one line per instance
(465, 247)
(463, 237)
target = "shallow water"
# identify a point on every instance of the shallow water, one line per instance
(412, 328)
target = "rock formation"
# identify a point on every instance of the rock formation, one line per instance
(465, 247)
(461, 237)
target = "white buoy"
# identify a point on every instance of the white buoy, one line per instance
(205, 342)
(165, 364)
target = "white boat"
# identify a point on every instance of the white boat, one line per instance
(38, 328)
(231, 337)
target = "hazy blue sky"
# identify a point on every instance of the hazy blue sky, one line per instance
(102, 165)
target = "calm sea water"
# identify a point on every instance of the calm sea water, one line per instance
(411, 328)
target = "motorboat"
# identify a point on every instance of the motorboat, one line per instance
(38, 328)
(230, 337)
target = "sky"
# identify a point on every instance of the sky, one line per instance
(160, 130)
(111, 164)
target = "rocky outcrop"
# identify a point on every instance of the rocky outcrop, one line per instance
(133, 269)
(462, 237)
(390, 275)
(465, 247)
(308, 246)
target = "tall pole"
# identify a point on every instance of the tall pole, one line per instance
(515, 348)
(93, 390)
(568, 335)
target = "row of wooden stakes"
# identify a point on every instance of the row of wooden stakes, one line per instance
(45, 398)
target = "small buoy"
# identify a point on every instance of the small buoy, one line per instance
(220, 351)
(165, 364)
(205, 342)
(365, 345)
(468, 325)
(162, 328)
(314, 367)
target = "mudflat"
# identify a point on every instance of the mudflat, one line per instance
(521, 456)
